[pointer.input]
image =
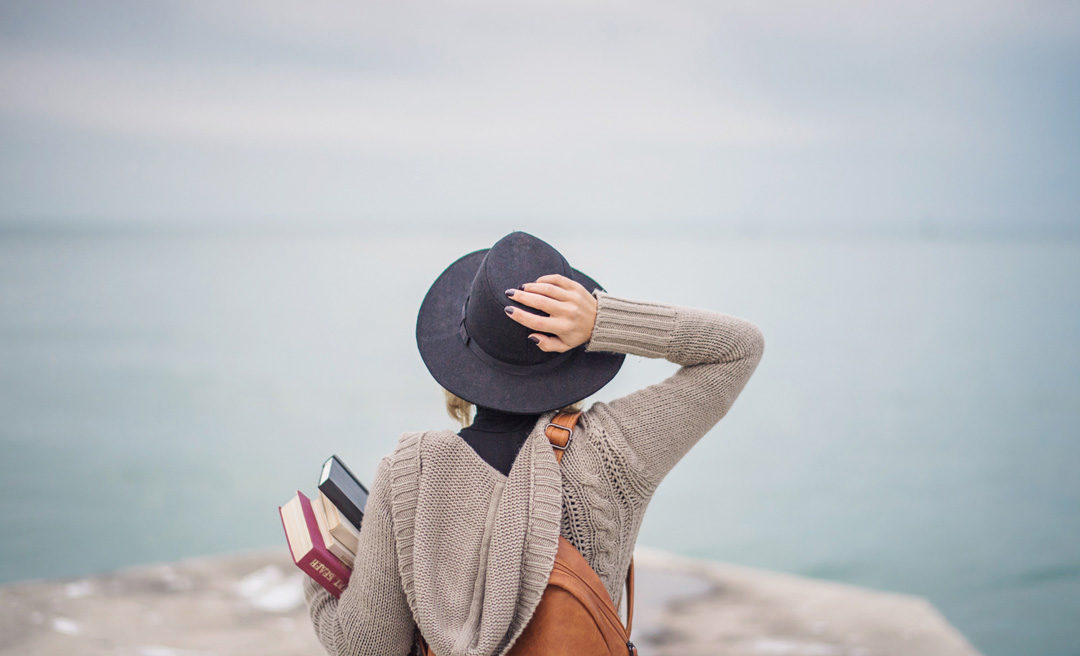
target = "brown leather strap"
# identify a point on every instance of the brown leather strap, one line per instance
(559, 432)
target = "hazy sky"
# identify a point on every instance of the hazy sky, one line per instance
(733, 113)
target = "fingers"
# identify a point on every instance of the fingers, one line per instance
(559, 280)
(562, 281)
(536, 300)
(548, 288)
(550, 343)
(562, 298)
(534, 321)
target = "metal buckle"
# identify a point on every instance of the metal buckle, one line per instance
(569, 438)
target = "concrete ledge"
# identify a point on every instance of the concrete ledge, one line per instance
(740, 611)
(253, 604)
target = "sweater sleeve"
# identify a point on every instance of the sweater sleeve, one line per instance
(372, 616)
(717, 353)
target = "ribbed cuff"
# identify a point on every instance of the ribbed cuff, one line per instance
(629, 326)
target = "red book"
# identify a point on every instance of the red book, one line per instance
(306, 544)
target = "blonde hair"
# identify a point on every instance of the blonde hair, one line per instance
(461, 410)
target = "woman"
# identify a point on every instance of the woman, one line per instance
(461, 529)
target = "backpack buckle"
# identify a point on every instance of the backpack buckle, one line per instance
(569, 436)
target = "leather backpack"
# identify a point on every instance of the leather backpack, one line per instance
(575, 616)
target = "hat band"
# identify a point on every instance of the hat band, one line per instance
(509, 367)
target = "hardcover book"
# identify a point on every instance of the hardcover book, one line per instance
(344, 490)
(306, 544)
(341, 528)
(335, 547)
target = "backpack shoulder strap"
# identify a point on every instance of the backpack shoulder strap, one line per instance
(559, 431)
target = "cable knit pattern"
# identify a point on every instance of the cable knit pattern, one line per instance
(451, 546)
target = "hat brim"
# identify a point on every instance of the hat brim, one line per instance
(459, 370)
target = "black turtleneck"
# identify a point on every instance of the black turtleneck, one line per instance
(497, 436)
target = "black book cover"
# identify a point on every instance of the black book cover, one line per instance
(346, 491)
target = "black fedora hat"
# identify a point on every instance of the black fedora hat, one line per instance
(473, 349)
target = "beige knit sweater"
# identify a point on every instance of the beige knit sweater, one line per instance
(454, 549)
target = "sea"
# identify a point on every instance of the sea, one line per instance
(913, 426)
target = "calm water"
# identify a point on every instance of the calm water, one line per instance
(913, 425)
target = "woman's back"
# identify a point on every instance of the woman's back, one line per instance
(464, 551)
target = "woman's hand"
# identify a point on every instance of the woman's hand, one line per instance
(570, 307)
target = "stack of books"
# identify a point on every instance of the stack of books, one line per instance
(323, 533)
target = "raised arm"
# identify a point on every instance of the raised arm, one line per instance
(659, 423)
(372, 616)
(717, 353)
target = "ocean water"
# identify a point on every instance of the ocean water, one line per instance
(913, 425)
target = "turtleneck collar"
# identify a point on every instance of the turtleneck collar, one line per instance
(496, 436)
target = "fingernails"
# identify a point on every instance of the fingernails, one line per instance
(534, 339)
(521, 287)
(509, 309)
(510, 292)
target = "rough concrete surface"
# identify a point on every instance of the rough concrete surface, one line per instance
(253, 604)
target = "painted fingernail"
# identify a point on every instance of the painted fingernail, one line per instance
(510, 292)
(509, 309)
(521, 287)
(534, 339)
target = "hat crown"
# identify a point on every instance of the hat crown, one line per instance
(515, 259)
(474, 350)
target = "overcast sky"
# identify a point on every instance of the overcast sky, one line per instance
(736, 114)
